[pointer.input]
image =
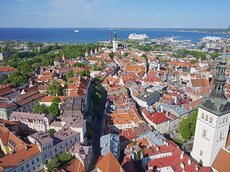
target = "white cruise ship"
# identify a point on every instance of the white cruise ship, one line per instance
(135, 36)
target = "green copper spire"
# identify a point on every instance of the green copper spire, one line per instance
(217, 102)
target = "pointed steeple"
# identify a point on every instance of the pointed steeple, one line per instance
(115, 35)
(217, 102)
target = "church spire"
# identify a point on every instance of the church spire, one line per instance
(217, 102)
(115, 34)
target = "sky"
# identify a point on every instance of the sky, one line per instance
(115, 13)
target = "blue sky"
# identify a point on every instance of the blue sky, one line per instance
(115, 13)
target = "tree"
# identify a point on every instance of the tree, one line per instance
(25, 68)
(69, 74)
(53, 165)
(42, 109)
(64, 158)
(3, 77)
(16, 78)
(187, 126)
(54, 88)
(51, 132)
(54, 110)
(111, 55)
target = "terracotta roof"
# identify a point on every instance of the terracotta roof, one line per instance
(19, 156)
(9, 139)
(200, 82)
(228, 141)
(109, 164)
(50, 98)
(7, 69)
(222, 161)
(73, 166)
(5, 89)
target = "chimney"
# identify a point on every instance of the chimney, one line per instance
(175, 99)
(189, 161)
(182, 165)
(161, 109)
(158, 148)
(196, 168)
(182, 155)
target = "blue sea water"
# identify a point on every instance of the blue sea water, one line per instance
(90, 35)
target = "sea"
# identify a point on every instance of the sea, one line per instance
(92, 35)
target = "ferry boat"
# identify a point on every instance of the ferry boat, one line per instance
(134, 36)
(76, 30)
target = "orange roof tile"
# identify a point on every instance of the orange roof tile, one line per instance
(109, 164)
(73, 166)
(7, 69)
(222, 161)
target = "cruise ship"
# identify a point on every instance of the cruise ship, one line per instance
(135, 36)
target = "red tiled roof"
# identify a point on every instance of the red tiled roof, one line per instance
(156, 117)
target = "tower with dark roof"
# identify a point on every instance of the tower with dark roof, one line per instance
(213, 119)
(115, 42)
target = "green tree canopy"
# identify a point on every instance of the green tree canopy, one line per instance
(69, 74)
(53, 165)
(51, 132)
(187, 126)
(55, 88)
(54, 110)
(42, 109)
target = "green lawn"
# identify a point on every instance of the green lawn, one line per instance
(178, 141)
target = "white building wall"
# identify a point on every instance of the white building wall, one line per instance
(210, 135)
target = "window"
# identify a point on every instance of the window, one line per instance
(27, 165)
(206, 119)
(204, 134)
(201, 153)
(33, 162)
(22, 168)
(34, 168)
(37, 159)
(221, 136)
(226, 119)
(210, 120)
(202, 116)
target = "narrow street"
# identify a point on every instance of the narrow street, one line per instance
(98, 128)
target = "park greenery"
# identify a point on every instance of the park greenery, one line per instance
(40, 55)
(187, 126)
(54, 164)
(73, 51)
(196, 54)
(52, 110)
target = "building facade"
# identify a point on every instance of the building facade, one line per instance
(212, 125)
